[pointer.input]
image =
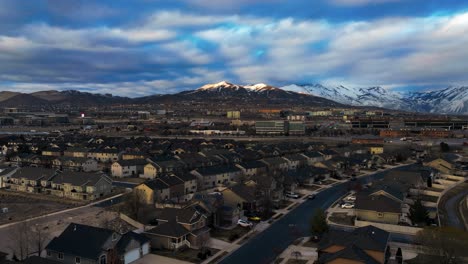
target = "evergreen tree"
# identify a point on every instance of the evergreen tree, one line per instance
(418, 214)
(399, 256)
(318, 224)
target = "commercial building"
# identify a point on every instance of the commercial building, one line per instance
(271, 127)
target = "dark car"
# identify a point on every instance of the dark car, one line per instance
(311, 197)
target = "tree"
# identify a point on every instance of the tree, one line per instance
(444, 147)
(429, 182)
(39, 238)
(399, 256)
(448, 243)
(318, 224)
(134, 203)
(20, 240)
(418, 214)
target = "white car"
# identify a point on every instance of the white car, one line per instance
(292, 195)
(351, 198)
(347, 206)
(244, 223)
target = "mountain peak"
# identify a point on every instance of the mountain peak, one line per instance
(222, 84)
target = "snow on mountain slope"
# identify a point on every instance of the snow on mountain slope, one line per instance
(451, 100)
(371, 96)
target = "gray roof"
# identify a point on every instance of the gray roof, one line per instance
(34, 173)
(366, 238)
(81, 241)
(352, 252)
(187, 215)
(79, 178)
(125, 243)
(169, 229)
(378, 203)
(132, 162)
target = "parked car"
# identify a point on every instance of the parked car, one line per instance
(347, 206)
(351, 198)
(311, 196)
(244, 223)
(255, 218)
(292, 195)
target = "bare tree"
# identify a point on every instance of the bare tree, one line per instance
(448, 243)
(134, 203)
(20, 240)
(39, 238)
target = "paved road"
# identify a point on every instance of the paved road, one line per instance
(453, 217)
(264, 247)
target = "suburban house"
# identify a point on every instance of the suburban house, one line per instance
(378, 207)
(5, 174)
(210, 177)
(75, 163)
(104, 155)
(28, 179)
(240, 196)
(384, 200)
(441, 165)
(87, 244)
(313, 157)
(153, 168)
(168, 187)
(276, 164)
(169, 235)
(133, 155)
(78, 185)
(296, 161)
(55, 152)
(76, 152)
(132, 246)
(253, 167)
(178, 228)
(363, 245)
(128, 168)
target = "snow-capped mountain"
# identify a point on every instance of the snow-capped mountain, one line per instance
(223, 86)
(371, 96)
(260, 93)
(452, 100)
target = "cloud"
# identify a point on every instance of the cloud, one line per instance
(172, 50)
(361, 2)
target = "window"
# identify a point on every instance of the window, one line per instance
(48, 253)
(77, 260)
(103, 259)
(60, 256)
(380, 215)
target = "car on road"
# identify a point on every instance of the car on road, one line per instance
(311, 196)
(351, 198)
(347, 206)
(244, 223)
(292, 195)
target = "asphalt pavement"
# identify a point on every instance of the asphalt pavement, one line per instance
(266, 246)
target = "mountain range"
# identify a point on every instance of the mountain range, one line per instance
(451, 100)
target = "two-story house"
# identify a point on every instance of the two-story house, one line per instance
(28, 179)
(185, 227)
(128, 168)
(210, 177)
(78, 185)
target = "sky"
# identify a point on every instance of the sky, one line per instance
(142, 47)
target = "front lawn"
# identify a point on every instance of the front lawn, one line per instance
(186, 254)
(229, 235)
